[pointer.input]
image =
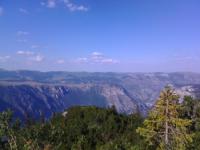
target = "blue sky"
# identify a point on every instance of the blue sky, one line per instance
(100, 35)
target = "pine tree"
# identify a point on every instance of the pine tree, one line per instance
(164, 127)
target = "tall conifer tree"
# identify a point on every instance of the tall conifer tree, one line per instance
(164, 126)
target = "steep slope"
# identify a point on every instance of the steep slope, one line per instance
(35, 92)
(36, 98)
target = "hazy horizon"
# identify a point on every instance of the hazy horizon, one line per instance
(100, 35)
(82, 71)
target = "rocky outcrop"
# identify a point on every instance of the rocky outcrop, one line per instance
(41, 98)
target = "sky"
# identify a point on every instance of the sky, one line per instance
(100, 35)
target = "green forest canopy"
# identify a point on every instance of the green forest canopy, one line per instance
(90, 128)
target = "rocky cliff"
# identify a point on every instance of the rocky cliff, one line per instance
(47, 92)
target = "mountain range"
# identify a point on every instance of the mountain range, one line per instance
(37, 93)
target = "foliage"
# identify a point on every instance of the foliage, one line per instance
(164, 128)
(92, 128)
(81, 128)
(191, 110)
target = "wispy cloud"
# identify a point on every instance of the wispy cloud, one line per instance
(68, 4)
(22, 33)
(24, 11)
(73, 7)
(42, 3)
(4, 58)
(82, 60)
(30, 55)
(27, 53)
(22, 36)
(51, 3)
(60, 61)
(185, 58)
(96, 58)
(1, 11)
(22, 40)
(35, 46)
(37, 58)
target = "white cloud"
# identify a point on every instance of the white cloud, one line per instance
(24, 11)
(22, 33)
(35, 46)
(69, 5)
(60, 61)
(27, 53)
(97, 55)
(4, 58)
(1, 11)
(73, 7)
(37, 58)
(31, 55)
(51, 3)
(82, 60)
(96, 58)
(109, 61)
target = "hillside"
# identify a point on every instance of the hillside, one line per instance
(47, 92)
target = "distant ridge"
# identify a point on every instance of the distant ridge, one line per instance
(35, 91)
